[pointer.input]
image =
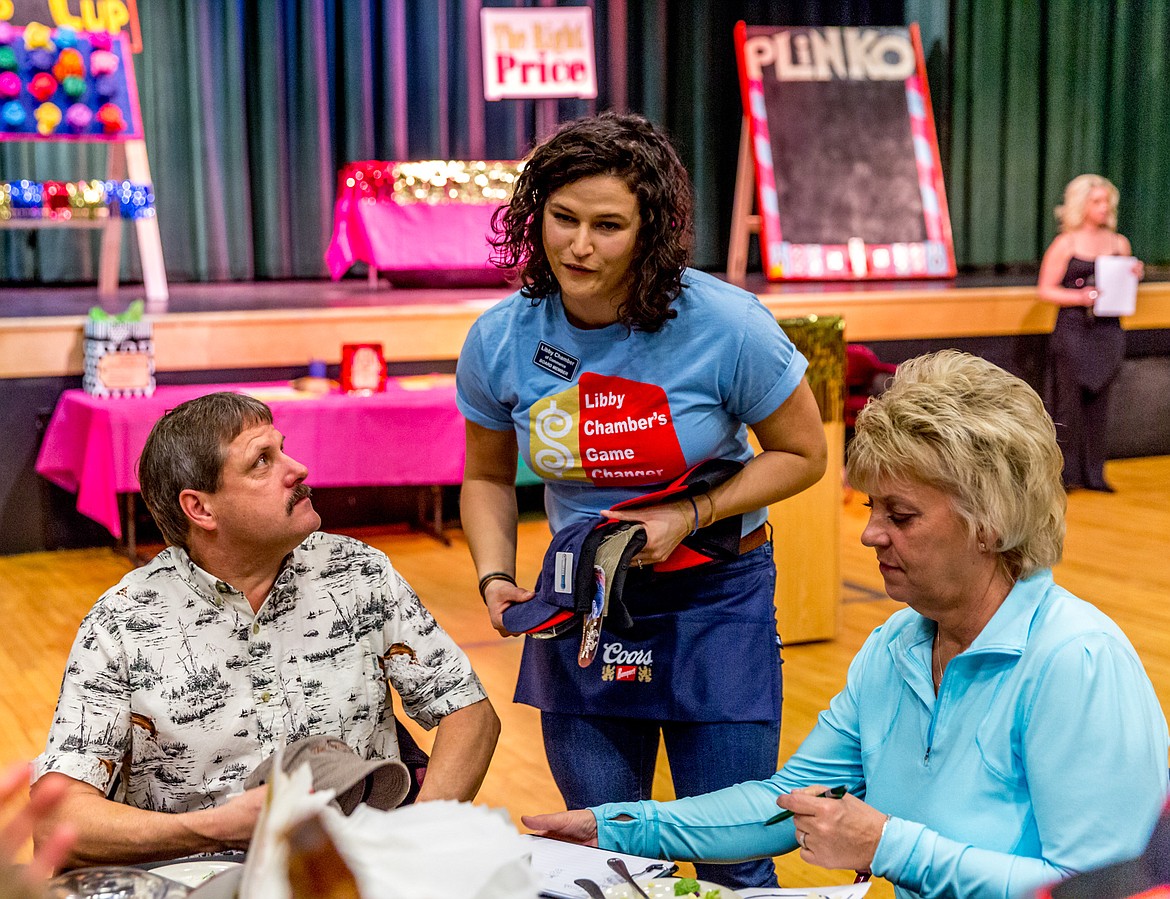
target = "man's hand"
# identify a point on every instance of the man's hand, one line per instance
(230, 825)
(577, 826)
(111, 832)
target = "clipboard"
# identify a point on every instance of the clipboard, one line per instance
(1116, 285)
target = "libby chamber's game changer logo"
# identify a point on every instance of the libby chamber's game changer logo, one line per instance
(607, 430)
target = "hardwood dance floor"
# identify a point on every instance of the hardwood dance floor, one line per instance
(1116, 556)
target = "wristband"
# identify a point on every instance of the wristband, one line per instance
(494, 576)
(695, 529)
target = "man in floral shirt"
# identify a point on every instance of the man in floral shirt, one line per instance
(251, 630)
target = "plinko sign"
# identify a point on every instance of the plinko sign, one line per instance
(538, 53)
(605, 430)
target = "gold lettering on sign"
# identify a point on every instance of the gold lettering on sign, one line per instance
(95, 15)
(567, 37)
(509, 38)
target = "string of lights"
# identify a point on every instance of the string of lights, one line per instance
(64, 200)
(433, 181)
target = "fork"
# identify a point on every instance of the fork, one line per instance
(618, 865)
(590, 887)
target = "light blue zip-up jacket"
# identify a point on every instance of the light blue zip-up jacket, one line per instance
(1045, 753)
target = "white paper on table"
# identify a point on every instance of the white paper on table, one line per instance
(1116, 285)
(558, 864)
(849, 891)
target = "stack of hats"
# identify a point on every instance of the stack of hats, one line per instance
(585, 567)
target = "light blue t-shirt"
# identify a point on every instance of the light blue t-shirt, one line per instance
(1043, 754)
(604, 415)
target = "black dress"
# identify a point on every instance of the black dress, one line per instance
(1085, 354)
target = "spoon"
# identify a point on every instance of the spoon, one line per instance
(618, 865)
(590, 887)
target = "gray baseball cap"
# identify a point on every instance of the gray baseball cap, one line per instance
(380, 783)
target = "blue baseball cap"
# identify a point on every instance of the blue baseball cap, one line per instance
(567, 585)
(720, 539)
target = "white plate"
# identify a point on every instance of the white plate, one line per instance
(192, 874)
(663, 888)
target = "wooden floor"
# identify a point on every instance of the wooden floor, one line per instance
(1117, 555)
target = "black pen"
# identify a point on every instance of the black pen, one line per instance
(835, 793)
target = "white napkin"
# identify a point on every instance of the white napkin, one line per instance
(290, 800)
(437, 850)
(434, 850)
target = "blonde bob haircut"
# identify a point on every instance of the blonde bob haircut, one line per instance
(968, 428)
(1071, 213)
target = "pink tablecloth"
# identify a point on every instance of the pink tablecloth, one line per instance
(414, 237)
(410, 435)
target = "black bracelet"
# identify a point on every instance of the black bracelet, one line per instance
(494, 576)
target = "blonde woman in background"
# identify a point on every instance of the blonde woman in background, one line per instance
(1086, 350)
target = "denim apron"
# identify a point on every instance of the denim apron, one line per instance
(703, 647)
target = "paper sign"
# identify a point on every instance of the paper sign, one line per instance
(538, 53)
(126, 371)
(1116, 283)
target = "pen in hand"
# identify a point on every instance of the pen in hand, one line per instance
(835, 793)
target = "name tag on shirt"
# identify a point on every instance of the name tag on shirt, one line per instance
(556, 362)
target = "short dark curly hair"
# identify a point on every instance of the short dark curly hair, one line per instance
(642, 156)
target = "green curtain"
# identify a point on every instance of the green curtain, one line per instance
(252, 106)
(1041, 92)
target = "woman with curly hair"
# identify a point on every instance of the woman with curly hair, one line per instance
(1086, 350)
(614, 370)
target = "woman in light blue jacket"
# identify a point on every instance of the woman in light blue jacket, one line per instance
(997, 735)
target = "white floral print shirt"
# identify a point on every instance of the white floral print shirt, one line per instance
(175, 685)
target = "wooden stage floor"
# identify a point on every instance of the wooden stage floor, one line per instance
(234, 325)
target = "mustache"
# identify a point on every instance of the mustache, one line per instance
(300, 492)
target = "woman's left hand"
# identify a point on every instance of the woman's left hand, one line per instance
(834, 833)
(1139, 269)
(666, 526)
(574, 826)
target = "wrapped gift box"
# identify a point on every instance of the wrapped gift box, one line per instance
(119, 358)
